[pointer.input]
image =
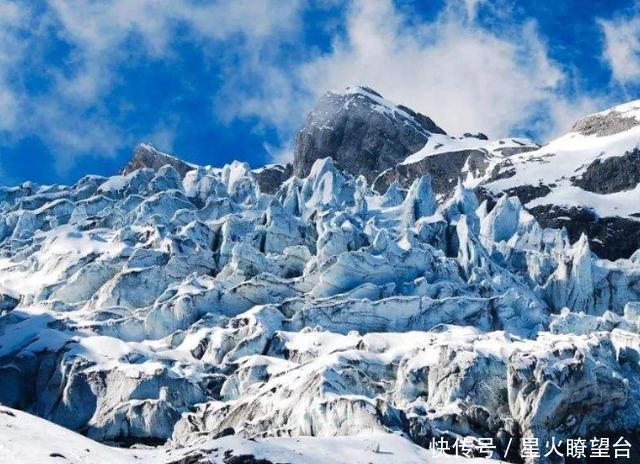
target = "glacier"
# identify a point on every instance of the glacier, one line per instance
(166, 309)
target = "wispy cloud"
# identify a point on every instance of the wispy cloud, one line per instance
(466, 77)
(70, 112)
(280, 155)
(13, 22)
(622, 48)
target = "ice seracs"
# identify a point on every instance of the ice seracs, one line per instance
(198, 311)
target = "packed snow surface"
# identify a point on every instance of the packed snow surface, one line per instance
(438, 144)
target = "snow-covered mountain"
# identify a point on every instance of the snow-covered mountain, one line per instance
(587, 180)
(368, 135)
(190, 309)
(363, 132)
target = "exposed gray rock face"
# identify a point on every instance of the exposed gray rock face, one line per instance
(526, 193)
(511, 150)
(614, 174)
(272, 176)
(603, 124)
(444, 168)
(447, 159)
(362, 132)
(146, 156)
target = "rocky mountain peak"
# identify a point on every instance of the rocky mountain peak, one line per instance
(147, 156)
(403, 113)
(362, 131)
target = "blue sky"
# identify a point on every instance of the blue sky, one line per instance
(82, 82)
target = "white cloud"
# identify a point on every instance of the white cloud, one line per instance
(163, 135)
(99, 31)
(71, 117)
(280, 155)
(471, 7)
(465, 77)
(9, 108)
(12, 23)
(622, 48)
(95, 27)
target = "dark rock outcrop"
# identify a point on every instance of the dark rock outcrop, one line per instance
(614, 174)
(526, 193)
(272, 176)
(362, 132)
(444, 168)
(610, 237)
(146, 156)
(511, 150)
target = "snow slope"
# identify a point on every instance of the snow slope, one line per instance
(27, 439)
(439, 144)
(560, 161)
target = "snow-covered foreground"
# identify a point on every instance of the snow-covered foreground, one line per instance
(156, 309)
(27, 439)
